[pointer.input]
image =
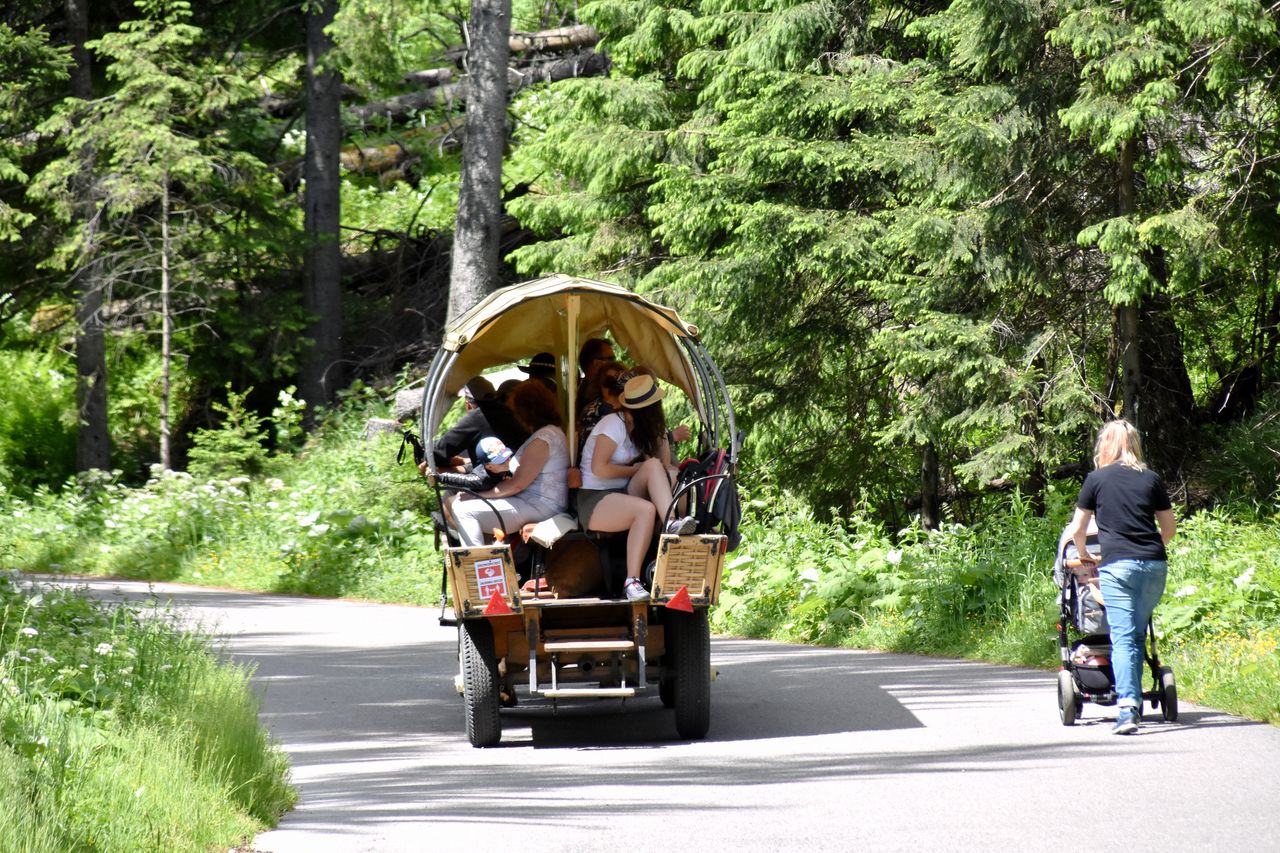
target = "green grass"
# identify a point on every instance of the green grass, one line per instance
(121, 732)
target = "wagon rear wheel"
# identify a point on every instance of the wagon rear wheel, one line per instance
(480, 683)
(689, 638)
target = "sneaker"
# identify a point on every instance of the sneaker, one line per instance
(682, 526)
(1126, 723)
(634, 590)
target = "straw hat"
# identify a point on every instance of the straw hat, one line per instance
(641, 391)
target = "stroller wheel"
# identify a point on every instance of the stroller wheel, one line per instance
(1068, 698)
(1169, 697)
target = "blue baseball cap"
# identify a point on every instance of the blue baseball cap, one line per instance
(491, 450)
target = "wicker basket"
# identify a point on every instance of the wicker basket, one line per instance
(476, 573)
(694, 562)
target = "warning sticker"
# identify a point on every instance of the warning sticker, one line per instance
(491, 578)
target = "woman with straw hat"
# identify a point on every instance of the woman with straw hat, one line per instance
(627, 474)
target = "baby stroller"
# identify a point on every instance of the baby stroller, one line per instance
(1086, 674)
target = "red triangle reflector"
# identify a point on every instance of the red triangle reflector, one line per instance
(680, 601)
(497, 606)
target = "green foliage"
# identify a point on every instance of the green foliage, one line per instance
(237, 448)
(340, 518)
(29, 67)
(81, 686)
(37, 431)
(1244, 464)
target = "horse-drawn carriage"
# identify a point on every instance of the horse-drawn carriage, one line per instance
(521, 630)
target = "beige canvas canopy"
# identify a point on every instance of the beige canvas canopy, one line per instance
(556, 314)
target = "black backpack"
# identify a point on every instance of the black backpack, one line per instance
(713, 494)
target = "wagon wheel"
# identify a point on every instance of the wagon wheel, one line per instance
(689, 636)
(1068, 698)
(667, 683)
(667, 689)
(1169, 698)
(480, 683)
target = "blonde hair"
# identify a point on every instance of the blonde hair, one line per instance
(1118, 441)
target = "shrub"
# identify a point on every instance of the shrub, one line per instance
(37, 419)
(235, 449)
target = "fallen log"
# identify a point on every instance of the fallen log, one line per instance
(588, 63)
(561, 38)
(431, 77)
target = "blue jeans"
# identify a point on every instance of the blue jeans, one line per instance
(1131, 589)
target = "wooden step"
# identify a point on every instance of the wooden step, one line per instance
(560, 646)
(589, 692)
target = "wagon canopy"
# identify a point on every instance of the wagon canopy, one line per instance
(556, 314)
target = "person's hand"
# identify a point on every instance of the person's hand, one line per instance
(680, 432)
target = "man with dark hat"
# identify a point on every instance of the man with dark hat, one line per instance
(542, 367)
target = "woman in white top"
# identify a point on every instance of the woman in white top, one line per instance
(538, 487)
(627, 475)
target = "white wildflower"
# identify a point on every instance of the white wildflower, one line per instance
(1185, 591)
(29, 632)
(104, 649)
(1244, 579)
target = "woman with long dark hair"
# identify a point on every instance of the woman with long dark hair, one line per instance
(627, 474)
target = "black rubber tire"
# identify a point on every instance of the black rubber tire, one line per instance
(667, 692)
(1068, 698)
(689, 636)
(1169, 699)
(480, 682)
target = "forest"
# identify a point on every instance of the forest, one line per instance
(933, 245)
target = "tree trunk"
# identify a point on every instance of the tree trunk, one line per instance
(1126, 316)
(930, 489)
(474, 271)
(1158, 399)
(166, 330)
(93, 438)
(322, 283)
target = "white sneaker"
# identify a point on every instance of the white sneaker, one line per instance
(682, 526)
(634, 590)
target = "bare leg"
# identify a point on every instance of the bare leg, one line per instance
(618, 512)
(652, 481)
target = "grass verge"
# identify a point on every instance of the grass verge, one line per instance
(121, 732)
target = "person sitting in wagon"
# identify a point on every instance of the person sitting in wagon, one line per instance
(538, 486)
(487, 415)
(626, 475)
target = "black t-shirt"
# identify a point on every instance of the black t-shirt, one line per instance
(1125, 501)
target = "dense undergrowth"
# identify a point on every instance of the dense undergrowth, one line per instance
(986, 592)
(120, 731)
(342, 518)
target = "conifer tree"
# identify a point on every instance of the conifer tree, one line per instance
(160, 176)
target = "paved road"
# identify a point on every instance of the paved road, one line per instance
(811, 749)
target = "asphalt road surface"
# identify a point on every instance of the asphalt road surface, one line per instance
(809, 749)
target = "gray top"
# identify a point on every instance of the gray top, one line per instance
(550, 490)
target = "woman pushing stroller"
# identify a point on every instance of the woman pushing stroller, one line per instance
(1135, 521)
